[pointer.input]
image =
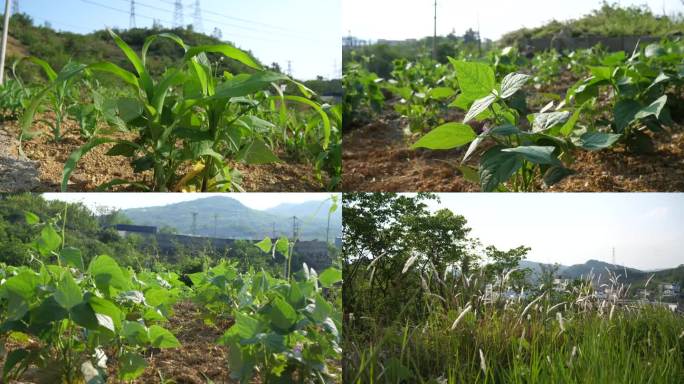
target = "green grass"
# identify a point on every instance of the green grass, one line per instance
(636, 345)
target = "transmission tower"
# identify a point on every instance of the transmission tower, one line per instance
(289, 68)
(295, 228)
(178, 14)
(434, 36)
(197, 24)
(194, 223)
(131, 23)
(15, 7)
(614, 257)
(215, 221)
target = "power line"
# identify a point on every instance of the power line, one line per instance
(251, 22)
(280, 37)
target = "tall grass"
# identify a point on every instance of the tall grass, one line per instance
(553, 337)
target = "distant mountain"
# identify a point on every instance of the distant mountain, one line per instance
(226, 217)
(632, 276)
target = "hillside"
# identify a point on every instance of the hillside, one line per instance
(610, 20)
(58, 48)
(226, 217)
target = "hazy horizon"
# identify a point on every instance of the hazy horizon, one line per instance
(123, 200)
(568, 228)
(404, 19)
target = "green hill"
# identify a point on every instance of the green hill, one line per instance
(226, 217)
(58, 48)
(610, 20)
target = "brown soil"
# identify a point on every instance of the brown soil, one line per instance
(96, 168)
(377, 158)
(199, 359)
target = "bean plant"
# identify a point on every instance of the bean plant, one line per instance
(518, 154)
(73, 320)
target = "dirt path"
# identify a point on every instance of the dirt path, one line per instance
(17, 173)
(377, 158)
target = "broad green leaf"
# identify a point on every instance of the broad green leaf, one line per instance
(440, 93)
(23, 285)
(447, 136)
(512, 83)
(246, 327)
(569, 125)
(131, 366)
(31, 218)
(257, 152)
(546, 121)
(135, 333)
(105, 321)
(282, 245)
(71, 256)
(162, 338)
(107, 273)
(281, 315)
(602, 73)
(469, 173)
(654, 109)
(594, 141)
(83, 315)
(479, 106)
(330, 277)
(265, 244)
(68, 293)
(624, 112)
(496, 167)
(129, 108)
(48, 311)
(555, 174)
(535, 154)
(48, 241)
(105, 307)
(475, 79)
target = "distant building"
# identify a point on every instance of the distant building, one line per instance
(669, 289)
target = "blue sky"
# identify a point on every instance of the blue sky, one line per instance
(305, 32)
(646, 229)
(404, 19)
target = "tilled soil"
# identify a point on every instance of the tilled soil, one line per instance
(47, 157)
(377, 158)
(199, 358)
